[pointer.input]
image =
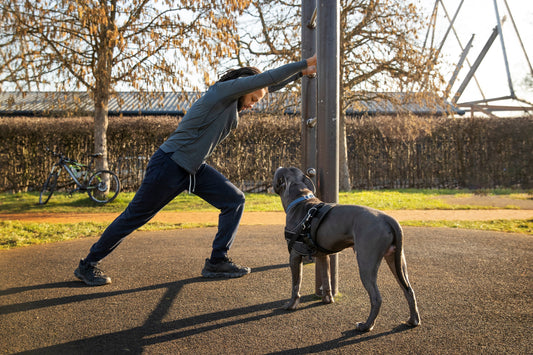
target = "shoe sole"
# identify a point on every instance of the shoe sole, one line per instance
(218, 275)
(82, 278)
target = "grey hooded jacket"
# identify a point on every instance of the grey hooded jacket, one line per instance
(214, 115)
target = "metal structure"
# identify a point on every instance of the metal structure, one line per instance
(308, 104)
(328, 92)
(484, 104)
(320, 133)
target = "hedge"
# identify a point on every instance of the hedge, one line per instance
(383, 152)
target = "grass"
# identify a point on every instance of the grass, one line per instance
(499, 225)
(405, 199)
(15, 233)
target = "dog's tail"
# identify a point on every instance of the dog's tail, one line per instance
(401, 272)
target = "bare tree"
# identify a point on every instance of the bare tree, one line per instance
(100, 45)
(380, 51)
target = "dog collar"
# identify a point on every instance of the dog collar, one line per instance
(298, 200)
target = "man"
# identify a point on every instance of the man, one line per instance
(179, 164)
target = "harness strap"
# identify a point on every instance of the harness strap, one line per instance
(297, 201)
(322, 211)
(306, 231)
(291, 238)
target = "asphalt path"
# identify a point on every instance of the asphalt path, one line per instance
(474, 290)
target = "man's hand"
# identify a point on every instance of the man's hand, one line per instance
(311, 66)
(311, 61)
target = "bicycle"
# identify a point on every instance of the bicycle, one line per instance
(102, 186)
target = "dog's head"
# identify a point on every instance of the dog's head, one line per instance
(291, 181)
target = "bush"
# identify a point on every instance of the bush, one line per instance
(383, 152)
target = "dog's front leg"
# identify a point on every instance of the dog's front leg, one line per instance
(323, 267)
(296, 271)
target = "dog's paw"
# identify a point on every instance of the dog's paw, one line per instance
(327, 299)
(363, 327)
(413, 322)
(292, 304)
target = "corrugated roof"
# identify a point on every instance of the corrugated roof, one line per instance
(175, 104)
(397, 103)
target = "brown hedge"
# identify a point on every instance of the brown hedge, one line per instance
(384, 152)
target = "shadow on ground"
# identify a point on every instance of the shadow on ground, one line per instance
(474, 293)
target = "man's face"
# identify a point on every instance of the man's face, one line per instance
(249, 100)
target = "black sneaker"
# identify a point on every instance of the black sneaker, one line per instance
(91, 275)
(224, 268)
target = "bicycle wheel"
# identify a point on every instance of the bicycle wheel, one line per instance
(48, 188)
(104, 186)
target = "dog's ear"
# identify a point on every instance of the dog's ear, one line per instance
(279, 181)
(279, 185)
(309, 183)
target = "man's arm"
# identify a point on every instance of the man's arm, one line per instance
(310, 70)
(278, 86)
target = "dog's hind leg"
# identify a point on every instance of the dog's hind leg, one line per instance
(368, 271)
(296, 271)
(414, 318)
(324, 267)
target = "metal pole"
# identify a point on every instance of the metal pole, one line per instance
(461, 46)
(328, 55)
(458, 67)
(308, 133)
(502, 42)
(476, 64)
(328, 90)
(452, 21)
(519, 38)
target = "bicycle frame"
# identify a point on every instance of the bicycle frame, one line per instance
(81, 186)
(65, 163)
(103, 186)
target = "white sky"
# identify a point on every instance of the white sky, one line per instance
(478, 17)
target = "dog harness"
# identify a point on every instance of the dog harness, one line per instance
(298, 200)
(303, 238)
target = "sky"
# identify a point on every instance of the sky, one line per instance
(478, 17)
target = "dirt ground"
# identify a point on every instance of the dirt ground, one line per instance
(521, 209)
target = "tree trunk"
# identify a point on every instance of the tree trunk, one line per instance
(344, 172)
(100, 129)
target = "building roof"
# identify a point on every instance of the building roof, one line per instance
(176, 104)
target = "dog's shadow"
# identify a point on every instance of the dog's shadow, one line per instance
(348, 338)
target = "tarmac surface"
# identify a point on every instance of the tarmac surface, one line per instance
(474, 292)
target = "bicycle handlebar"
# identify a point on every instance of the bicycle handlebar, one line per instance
(67, 159)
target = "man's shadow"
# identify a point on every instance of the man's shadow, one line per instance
(155, 330)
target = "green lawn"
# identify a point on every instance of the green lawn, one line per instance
(15, 234)
(407, 199)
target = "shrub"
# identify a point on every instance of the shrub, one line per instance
(383, 152)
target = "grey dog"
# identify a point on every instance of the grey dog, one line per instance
(372, 234)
